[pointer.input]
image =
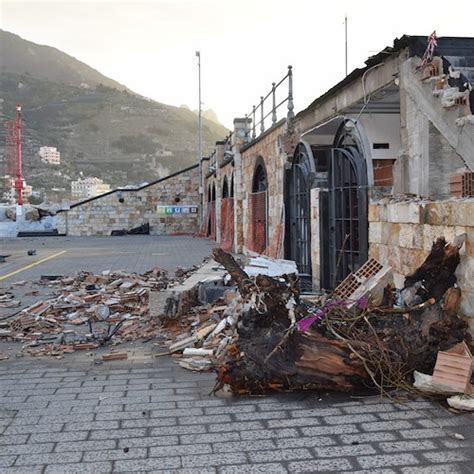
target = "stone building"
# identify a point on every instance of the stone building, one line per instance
(379, 166)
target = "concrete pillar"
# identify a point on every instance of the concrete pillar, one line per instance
(219, 151)
(240, 137)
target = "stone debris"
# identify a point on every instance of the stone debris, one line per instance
(87, 311)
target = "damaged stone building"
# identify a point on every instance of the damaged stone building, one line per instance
(377, 167)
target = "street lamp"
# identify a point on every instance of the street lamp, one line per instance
(201, 177)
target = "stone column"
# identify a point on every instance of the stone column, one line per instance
(219, 151)
(240, 137)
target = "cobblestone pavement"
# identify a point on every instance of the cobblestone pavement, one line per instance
(148, 414)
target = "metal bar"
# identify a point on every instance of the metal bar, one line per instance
(262, 124)
(291, 114)
(254, 133)
(274, 115)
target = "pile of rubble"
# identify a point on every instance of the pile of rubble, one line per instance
(262, 335)
(87, 311)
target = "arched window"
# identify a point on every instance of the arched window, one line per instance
(209, 193)
(225, 188)
(232, 185)
(259, 182)
(213, 194)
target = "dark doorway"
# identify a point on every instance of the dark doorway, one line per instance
(225, 188)
(298, 214)
(347, 209)
(258, 231)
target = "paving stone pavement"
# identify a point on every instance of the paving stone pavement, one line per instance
(149, 415)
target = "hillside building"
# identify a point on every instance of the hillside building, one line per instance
(88, 188)
(50, 155)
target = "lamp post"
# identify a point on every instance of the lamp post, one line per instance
(201, 176)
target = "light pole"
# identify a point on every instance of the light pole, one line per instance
(201, 176)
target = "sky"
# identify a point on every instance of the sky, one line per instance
(245, 45)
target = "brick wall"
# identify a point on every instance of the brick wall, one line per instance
(126, 209)
(401, 235)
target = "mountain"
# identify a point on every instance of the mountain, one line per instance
(100, 127)
(23, 57)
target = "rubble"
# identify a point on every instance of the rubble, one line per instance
(87, 311)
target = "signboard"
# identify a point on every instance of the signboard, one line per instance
(173, 210)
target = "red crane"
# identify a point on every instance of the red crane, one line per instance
(13, 148)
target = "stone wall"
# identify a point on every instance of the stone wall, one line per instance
(128, 208)
(401, 235)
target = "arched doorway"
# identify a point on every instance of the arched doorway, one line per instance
(211, 223)
(347, 207)
(227, 217)
(258, 231)
(298, 213)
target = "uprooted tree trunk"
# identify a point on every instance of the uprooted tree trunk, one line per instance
(346, 348)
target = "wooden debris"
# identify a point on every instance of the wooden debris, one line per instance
(115, 356)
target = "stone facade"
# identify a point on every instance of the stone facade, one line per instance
(401, 235)
(129, 208)
(268, 149)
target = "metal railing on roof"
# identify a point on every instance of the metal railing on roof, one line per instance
(260, 108)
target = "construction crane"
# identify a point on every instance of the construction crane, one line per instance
(14, 174)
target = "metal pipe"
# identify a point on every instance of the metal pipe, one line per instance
(274, 115)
